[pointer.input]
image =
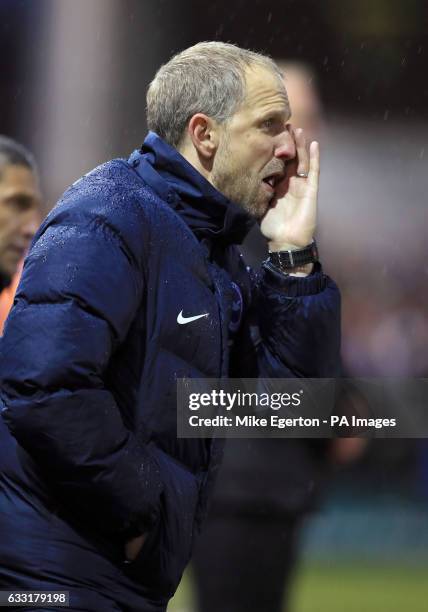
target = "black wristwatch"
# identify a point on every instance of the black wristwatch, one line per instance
(285, 260)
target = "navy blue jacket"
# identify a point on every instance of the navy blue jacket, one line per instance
(88, 369)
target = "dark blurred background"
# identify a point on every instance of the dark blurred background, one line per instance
(73, 77)
(74, 74)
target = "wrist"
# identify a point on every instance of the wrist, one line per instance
(275, 247)
(295, 261)
(303, 270)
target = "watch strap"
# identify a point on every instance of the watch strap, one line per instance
(286, 260)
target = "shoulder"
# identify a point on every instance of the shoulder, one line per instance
(112, 199)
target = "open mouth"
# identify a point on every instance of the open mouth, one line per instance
(272, 180)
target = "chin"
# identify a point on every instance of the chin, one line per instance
(256, 206)
(261, 209)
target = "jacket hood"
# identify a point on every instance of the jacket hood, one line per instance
(206, 211)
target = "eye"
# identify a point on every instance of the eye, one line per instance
(268, 123)
(20, 203)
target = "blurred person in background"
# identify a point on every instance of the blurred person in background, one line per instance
(248, 548)
(19, 215)
(132, 282)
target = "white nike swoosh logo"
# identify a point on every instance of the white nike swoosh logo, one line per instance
(183, 320)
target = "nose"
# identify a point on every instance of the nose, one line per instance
(285, 147)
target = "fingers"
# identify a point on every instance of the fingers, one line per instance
(308, 163)
(314, 163)
(301, 153)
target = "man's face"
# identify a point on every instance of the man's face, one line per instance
(19, 206)
(256, 143)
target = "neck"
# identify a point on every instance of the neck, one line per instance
(191, 155)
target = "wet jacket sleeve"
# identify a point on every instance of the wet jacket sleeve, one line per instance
(75, 304)
(291, 327)
(299, 325)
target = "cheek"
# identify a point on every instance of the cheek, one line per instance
(248, 153)
(262, 151)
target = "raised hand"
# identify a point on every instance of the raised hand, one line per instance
(290, 221)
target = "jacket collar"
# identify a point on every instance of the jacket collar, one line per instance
(207, 212)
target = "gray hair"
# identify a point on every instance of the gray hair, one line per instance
(13, 153)
(207, 78)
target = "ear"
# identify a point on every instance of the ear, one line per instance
(203, 132)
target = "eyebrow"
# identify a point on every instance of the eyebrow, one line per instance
(277, 114)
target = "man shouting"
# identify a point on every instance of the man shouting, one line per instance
(129, 285)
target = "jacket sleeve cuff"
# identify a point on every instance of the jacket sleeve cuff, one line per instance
(294, 286)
